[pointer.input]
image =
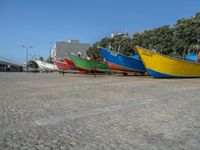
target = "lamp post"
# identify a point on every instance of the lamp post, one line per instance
(27, 48)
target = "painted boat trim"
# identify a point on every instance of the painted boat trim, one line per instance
(61, 65)
(163, 75)
(121, 68)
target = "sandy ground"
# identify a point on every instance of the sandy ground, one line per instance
(51, 111)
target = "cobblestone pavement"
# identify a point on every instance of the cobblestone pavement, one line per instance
(50, 111)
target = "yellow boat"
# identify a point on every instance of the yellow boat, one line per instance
(162, 66)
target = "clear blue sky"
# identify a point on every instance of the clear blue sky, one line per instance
(37, 22)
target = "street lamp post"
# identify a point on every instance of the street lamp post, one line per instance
(27, 48)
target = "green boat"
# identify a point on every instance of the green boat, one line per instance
(88, 65)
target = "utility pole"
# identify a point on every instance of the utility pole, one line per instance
(27, 48)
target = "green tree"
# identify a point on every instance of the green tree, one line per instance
(174, 40)
(187, 34)
(121, 43)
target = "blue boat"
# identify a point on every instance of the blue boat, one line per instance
(191, 57)
(119, 62)
(136, 57)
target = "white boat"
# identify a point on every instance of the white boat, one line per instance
(44, 66)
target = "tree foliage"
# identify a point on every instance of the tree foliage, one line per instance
(175, 40)
(121, 43)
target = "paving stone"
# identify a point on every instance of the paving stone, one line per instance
(46, 111)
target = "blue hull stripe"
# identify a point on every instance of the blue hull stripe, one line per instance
(156, 74)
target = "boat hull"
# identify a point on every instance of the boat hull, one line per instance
(73, 67)
(115, 67)
(46, 66)
(120, 62)
(61, 65)
(162, 66)
(191, 57)
(88, 65)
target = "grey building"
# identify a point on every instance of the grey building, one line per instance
(61, 48)
(7, 65)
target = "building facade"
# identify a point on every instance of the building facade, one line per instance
(61, 48)
(124, 35)
(8, 66)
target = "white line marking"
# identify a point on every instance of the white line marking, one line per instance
(71, 116)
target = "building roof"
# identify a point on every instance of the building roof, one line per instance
(5, 61)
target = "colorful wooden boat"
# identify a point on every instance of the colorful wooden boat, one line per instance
(73, 67)
(88, 65)
(61, 65)
(44, 66)
(120, 62)
(162, 66)
(191, 57)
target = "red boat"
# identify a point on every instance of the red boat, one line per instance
(73, 67)
(61, 65)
